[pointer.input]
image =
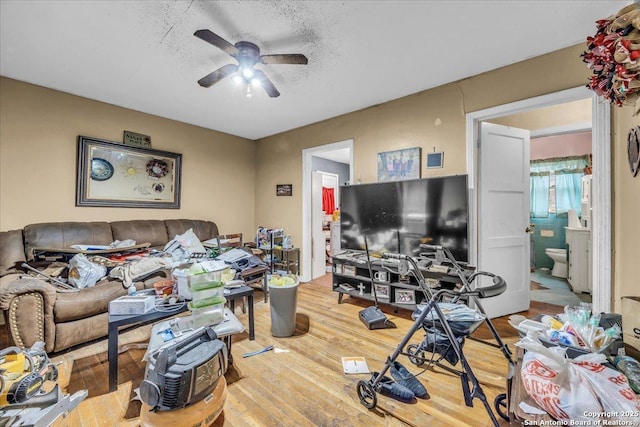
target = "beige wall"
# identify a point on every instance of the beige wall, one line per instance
(38, 142)
(436, 118)
(626, 211)
(550, 117)
(431, 119)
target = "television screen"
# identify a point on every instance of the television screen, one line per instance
(398, 216)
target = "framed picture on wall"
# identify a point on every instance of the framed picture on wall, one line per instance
(111, 174)
(284, 189)
(399, 165)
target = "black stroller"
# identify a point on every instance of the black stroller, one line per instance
(445, 336)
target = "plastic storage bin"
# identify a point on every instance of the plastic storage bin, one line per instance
(187, 279)
(207, 311)
(205, 277)
(204, 290)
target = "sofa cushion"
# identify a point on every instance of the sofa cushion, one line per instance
(64, 234)
(142, 231)
(77, 332)
(205, 230)
(11, 251)
(87, 302)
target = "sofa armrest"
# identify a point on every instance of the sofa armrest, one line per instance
(27, 305)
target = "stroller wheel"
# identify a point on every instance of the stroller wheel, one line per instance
(367, 394)
(500, 403)
(416, 356)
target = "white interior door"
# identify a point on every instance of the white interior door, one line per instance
(318, 257)
(503, 215)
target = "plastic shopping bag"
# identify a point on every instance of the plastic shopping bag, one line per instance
(84, 273)
(611, 387)
(579, 389)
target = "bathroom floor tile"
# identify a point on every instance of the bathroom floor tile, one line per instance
(554, 290)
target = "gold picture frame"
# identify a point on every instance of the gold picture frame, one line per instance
(110, 174)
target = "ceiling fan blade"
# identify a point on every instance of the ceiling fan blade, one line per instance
(293, 58)
(219, 74)
(267, 84)
(217, 41)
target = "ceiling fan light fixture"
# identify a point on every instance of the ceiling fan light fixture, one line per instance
(247, 55)
(237, 79)
(247, 72)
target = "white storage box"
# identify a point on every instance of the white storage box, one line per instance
(132, 304)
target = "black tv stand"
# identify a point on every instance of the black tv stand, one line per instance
(351, 277)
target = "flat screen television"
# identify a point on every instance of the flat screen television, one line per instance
(398, 216)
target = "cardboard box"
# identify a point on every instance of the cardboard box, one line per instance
(631, 321)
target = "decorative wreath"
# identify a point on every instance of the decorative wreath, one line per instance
(157, 168)
(614, 56)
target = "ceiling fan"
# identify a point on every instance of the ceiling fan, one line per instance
(248, 55)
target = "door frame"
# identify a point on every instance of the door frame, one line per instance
(307, 155)
(601, 185)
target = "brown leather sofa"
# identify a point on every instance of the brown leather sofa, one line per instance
(35, 310)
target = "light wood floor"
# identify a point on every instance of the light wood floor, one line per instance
(304, 385)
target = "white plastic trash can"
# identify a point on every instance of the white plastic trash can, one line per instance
(283, 300)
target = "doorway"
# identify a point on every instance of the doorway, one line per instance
(601, 188)
(313, 253)
(560, 207)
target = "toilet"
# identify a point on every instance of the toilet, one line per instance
(559, 257)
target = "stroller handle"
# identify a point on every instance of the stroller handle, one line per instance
(498, 287)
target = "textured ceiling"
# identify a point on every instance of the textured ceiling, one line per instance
(142, 55)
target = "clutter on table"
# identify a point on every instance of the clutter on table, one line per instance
(576, 328)
(575, 369)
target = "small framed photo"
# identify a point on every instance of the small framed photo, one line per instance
(405, 296)
(337, 268)
(382, 291)
(348, 270)
(284, 189)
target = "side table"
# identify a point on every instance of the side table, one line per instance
(242, 291)
(256, 276)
